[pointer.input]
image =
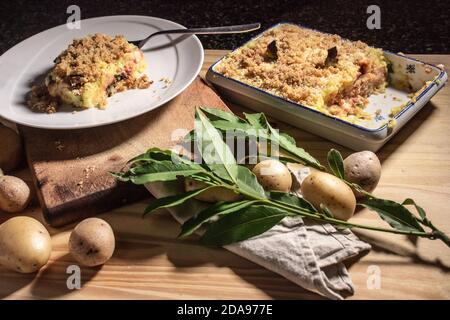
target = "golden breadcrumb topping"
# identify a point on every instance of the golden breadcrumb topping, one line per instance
(86, 61)
(318, 70)
(79, 62)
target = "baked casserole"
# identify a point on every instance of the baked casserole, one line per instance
(90, 70)
(321, 71)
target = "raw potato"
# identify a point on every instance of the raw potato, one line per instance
(10, 149)
(14, 194)
(92, 242)
(214, 194)
(364, 169)
(25, 244)
(273, 175)
(299, 172)
(321, 187)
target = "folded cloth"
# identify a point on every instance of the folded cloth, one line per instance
(309, 254)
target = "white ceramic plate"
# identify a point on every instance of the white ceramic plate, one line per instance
(178, 58)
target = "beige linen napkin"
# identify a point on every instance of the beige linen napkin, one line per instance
(307, 253)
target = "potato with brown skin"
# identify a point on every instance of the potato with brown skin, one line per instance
(92, 242)
(15, 194)
(273, 175)
(364, 169)
(212, 195)
(25, 244)
(324, 188)
(10, 149)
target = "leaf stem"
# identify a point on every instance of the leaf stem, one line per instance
(334, 221)
(320, 217)
(436, 233)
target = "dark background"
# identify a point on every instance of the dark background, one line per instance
(406, 26)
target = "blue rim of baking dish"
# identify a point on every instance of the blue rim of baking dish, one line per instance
(410, 104)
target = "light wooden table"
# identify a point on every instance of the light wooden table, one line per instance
(150, 263)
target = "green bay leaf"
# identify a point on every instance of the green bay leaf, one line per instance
(285, 141)
(206, 215)
(162, 171)
(257, 120)
(248, 184)
(336, 163)
(291, 200)
(419, 209)
(242, 225)
(156, 154)
(215, 114)
(175, 200)
(215, 152)
(288, 145)
(396, 215)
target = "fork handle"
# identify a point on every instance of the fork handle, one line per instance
(211, 30)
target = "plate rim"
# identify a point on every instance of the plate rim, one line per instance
(113, 121)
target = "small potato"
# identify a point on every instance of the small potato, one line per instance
(14, 194)
(10, 149)
(215, 194)
(364, 169)
(92, 242)
(273, 175)
(324, 188)
(25, 244)
(299, 172)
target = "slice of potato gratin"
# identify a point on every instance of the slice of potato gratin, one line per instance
(90, 70)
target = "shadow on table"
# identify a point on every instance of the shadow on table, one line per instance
(49, 283)
(12, 282)
(406, 132)
(187, 254)
(274, 285)
(384, 153)
(389, 247)
(52, 281)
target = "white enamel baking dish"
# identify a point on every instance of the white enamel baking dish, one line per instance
(423, 78)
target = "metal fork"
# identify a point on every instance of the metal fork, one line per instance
(211, 30)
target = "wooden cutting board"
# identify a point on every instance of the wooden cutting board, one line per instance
(70, 167)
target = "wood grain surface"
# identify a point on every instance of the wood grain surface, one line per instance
(150, 263)
(71, 168)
